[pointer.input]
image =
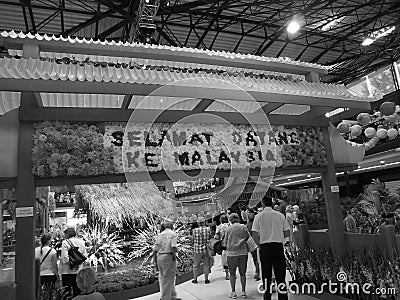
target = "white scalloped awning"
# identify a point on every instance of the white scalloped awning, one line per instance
(144, 47)
(151, 62)
(50, 70)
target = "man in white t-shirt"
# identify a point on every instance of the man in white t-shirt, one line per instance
(270, 229)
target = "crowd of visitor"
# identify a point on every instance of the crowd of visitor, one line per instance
(231, 235)
(269, 228)
(60, 266)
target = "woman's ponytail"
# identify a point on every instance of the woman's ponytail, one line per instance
(45, 238)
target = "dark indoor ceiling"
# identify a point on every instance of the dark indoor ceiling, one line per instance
(331, 32)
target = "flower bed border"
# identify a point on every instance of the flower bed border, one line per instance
(145, 290)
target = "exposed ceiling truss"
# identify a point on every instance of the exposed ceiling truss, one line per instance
(331, 33)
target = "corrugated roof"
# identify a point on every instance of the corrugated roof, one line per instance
(39, 69)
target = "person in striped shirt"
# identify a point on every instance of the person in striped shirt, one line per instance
(201, 237)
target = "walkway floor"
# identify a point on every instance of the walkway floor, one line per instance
(219, 288)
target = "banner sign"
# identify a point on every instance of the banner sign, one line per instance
(80, 149)
(164, 146)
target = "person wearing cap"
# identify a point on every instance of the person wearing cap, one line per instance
(201, 236)
(68, 275)
(164, 256)
(270, 228)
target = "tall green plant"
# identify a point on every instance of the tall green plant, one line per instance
(143, 243)
(104, 248)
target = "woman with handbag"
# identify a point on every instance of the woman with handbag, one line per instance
(249, 224)
(235, 240)
(47, 257)
(219, 236)
(73, 254)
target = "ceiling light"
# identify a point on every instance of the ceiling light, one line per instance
(384, 32)
(293, 27)
(367, 41)
(377, 34)
(332, 23)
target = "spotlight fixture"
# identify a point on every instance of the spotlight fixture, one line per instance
(293, 27)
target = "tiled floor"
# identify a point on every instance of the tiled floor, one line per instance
(219, 287)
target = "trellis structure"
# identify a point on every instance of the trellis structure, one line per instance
(111, 90)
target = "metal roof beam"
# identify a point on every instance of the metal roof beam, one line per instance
(361, 26)
(215, 17)
(88, 22)
(46, 7)
(184, 8)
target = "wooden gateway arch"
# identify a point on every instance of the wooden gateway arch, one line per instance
(75, 96)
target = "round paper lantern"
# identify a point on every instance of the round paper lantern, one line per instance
(391, 119)
(382, 133)
(387, 108)
(370, 132)
(363, 118)
(343, 127)
(356, 130)
(392, 133)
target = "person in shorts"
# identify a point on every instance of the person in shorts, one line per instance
(236, 251)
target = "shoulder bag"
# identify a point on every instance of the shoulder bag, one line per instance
(250, 243)
(76, 258)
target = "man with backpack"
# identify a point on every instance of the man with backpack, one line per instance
(73, 255)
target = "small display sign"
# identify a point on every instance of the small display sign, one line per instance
(21, 212)
(335, 189)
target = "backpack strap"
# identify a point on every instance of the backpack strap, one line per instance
(70, 243)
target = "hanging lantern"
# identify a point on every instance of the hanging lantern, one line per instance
(363, 118)
(387, 108)
(392, 133)
(382, 133)
(391, 119)
(370, 132)
(343, 127)
(356, 130)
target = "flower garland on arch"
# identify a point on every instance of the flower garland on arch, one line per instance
(70, 149)
(77, 149)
